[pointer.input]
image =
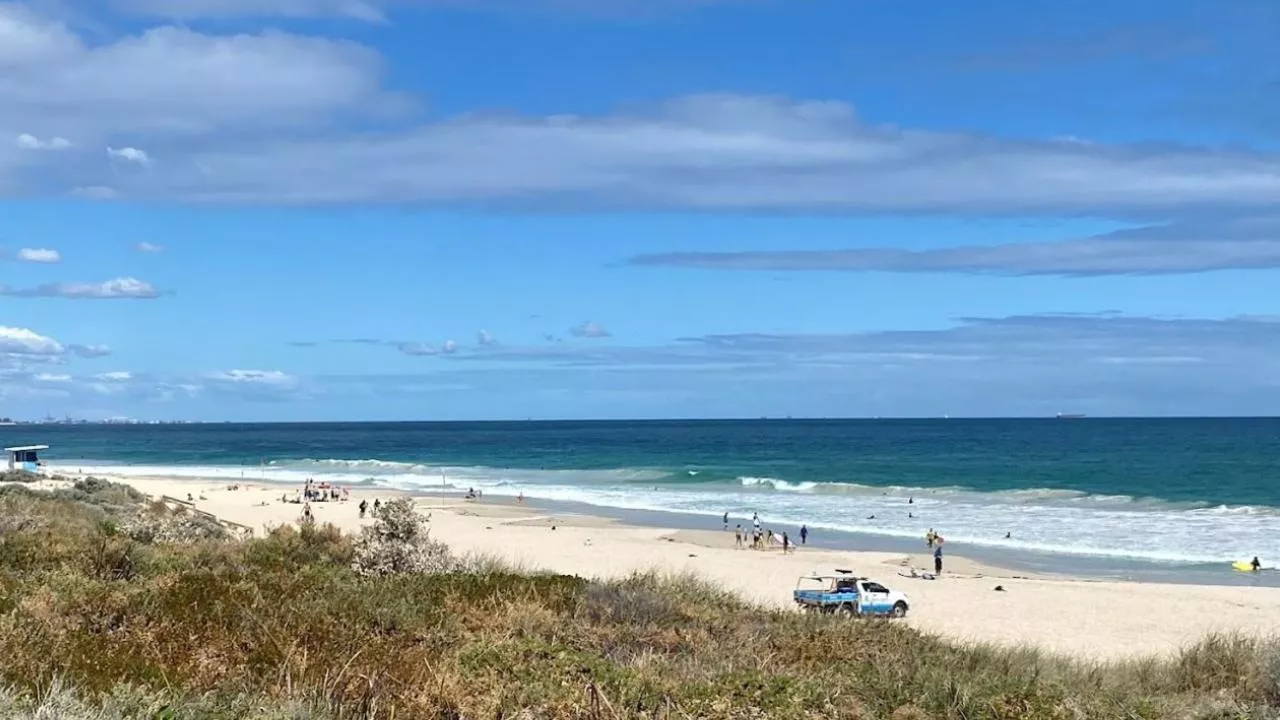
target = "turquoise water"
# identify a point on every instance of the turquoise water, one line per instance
(1171, 490)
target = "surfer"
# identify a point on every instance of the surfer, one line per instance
(1256, 564)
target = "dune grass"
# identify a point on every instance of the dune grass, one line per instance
(284, 627)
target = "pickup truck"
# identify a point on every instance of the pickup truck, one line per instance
(850, 595)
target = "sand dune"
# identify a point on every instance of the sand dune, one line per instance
(1101, 620)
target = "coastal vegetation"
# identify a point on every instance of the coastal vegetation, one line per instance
(113, 607)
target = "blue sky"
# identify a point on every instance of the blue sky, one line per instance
(440, 209)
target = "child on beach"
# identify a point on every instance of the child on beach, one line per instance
(737, 537)
(937, 559)
(786, 544)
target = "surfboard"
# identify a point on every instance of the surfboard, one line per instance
(1242, 566)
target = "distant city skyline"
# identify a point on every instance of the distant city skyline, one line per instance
(295, 210)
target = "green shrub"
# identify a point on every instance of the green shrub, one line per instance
(308, 624)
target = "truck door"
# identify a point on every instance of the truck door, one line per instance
(875, 598)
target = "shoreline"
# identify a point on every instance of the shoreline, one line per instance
(1093, 619)
(1012, 559)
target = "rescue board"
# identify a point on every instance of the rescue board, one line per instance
(1242, 566)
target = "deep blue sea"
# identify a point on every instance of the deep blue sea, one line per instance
(1173, 490)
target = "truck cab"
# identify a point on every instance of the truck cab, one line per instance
(849, 594)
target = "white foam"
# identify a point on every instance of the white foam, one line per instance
(1060, 521)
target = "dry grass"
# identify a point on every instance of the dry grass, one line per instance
(283, 627)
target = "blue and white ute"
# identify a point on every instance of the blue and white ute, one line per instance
(846, 593)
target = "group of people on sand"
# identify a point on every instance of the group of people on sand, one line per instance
(763, 539)
(317, 492)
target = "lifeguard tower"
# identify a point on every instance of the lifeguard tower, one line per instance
(25, 457)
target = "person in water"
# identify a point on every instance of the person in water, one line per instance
(804, 534)
(1256, 564)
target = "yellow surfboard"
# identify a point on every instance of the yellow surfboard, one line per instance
(1242, 566)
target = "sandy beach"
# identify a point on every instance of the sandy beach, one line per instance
(1097, 620)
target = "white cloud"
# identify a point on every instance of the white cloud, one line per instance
(52, 378)
(90, 351)
(146, 247)
(174, 80)
(589, 329)
(717, 152)
(276, 118)
(117, 376)
(39, 255)
(31, 142)
(1241, 243)
(484, 337)
(129, 154)
(375, 10)
(190, 9)
(124, 288)
(21, 341)
(417, 349)
(265, 378)
(450, 347)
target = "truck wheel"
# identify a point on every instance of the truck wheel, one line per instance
(848, 609)
(899, 610)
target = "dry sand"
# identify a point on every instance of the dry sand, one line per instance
(1100, 620)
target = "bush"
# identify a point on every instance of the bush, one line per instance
(307, 625)
(399, 543)
(159, 525)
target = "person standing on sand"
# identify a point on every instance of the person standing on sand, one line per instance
(786, 544)
(364, 506)
(804, 534)
(737, 537)
(726, 521)
(937, 559)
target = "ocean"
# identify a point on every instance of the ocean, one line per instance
(1175, 491)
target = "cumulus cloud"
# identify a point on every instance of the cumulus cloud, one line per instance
(31, 142)
(129, 155)
(173, 82)
(89, 352)
(22, 341)
(589, 329)
(146, 247)
(1189, 247)
(52, 378)
(125, 288)
(450, 347)
(39, 255)
(485, 338)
